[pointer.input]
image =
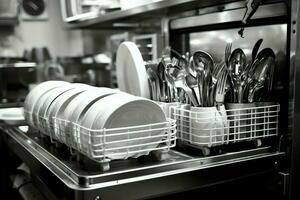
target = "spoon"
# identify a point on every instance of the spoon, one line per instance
(255, 49)
(177, 75)
(192, 82)
(259, 76)
(237, 65)
(174, 93)
(162, 82)
(153, 77)
(265, 52)
(191, 79)
(203, 65)
(254, 53)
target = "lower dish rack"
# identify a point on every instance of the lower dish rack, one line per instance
(105, 145)
(207, 127)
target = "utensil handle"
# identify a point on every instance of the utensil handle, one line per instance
(200, 88)
(240, 94)
(251, 94)
(190, 94)
(162, 92)
(196, 91)
(157, 90)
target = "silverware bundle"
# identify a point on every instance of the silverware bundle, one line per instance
(198, 80)
(249, 78)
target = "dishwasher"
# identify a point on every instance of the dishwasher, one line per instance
(255, 142)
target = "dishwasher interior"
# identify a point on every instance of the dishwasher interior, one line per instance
(213, 31)
(64, 173)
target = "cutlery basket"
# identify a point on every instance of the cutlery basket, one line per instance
(252, 120)
(201, 126)
(206, 127)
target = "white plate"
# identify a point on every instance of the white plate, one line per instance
(44, 103)
(12, 116)
(121, 110)
(131, 71)
(59, 105)
(35, 94)
(76, 109)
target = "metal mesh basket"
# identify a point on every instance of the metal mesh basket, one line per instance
(209, 126)
(114, 143)
(248, 122)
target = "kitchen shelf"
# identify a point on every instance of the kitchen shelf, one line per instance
(132, 17)
(8, 21)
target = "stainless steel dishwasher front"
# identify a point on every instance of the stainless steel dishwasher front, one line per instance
(60, 177)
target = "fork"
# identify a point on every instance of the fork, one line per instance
(221, 88)
(227, 53)
(227, 58)
(217, 72)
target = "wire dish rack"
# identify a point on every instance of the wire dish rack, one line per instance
(117, 143)
(206, 127)
(105, 145)
(253, 121)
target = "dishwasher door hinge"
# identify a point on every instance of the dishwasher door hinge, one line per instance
(284, 181)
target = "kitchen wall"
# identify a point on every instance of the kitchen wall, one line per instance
(50, 33)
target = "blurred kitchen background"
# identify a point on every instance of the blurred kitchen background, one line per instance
(36, 44)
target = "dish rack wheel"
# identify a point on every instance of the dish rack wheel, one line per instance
(258, 142)
(104, 165)
(206, 151)
(160, 155)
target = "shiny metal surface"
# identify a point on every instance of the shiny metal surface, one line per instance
(124, 172)
(155, 10)
(265, 11)
(214, 42)
(294, 99)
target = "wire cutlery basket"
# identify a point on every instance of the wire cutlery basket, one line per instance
(232, 123)
(201, 126)
(252, 121)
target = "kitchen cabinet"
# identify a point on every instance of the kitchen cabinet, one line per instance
(131, 18)
(9, 12)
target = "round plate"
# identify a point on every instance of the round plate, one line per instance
(12, 116)
(35, 94)
(44, 103)
(121, 110)
(131, 71)
(59, 105)
(78, 107)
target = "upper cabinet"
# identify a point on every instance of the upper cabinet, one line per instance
(9, 12)
(116, 14)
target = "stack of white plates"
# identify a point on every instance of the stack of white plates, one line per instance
(86, 108)
(34, 96)
(122, 110)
